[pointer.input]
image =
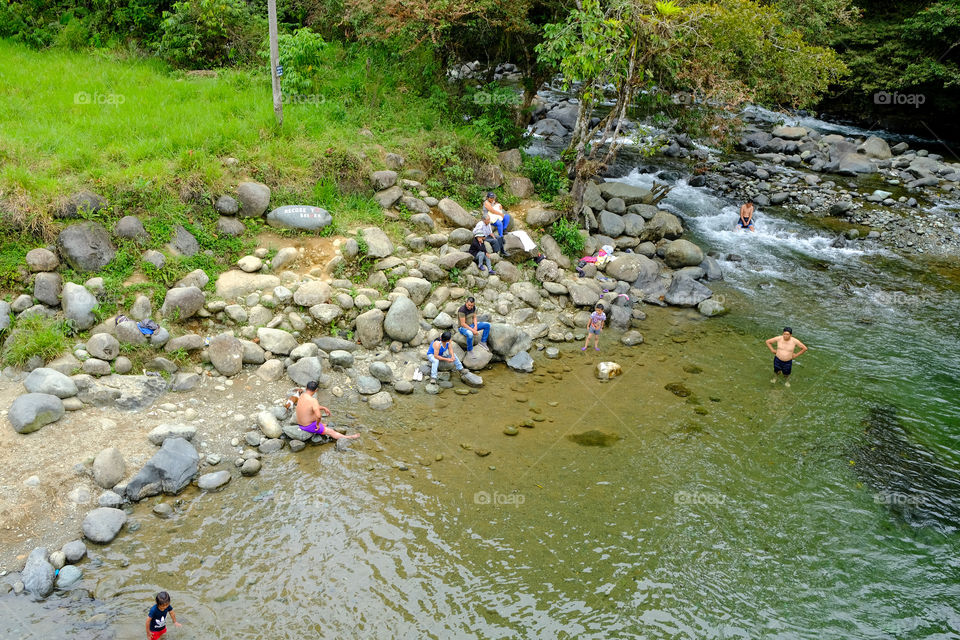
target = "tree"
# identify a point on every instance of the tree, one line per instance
(726, 52)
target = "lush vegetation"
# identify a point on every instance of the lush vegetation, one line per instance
(36, 335)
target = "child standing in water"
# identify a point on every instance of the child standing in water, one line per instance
(157, 618)
(597, 319)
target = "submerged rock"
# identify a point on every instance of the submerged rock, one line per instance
(594, 438)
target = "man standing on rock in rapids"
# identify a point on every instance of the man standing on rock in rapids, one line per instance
(309, 413)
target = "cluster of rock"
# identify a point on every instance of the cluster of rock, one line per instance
(553, 118)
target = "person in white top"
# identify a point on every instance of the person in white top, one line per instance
(499, 219)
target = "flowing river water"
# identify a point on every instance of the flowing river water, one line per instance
(722, 507)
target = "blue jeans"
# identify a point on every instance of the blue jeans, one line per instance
(434, 364)
(483, 327)
(501, 225)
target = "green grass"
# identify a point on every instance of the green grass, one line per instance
(35, 336)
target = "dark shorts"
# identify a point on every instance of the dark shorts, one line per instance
(779, 366)
(593, 330)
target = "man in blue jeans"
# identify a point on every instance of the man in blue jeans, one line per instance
(440, 351)
(469, 326)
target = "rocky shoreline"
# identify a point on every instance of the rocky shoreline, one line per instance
(363, 341)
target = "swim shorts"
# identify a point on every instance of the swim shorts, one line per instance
(596, 331)
(779, 366)
(314, 427)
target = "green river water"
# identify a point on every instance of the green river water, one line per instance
(740, 510)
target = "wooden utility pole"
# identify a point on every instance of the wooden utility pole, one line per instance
(275, 61)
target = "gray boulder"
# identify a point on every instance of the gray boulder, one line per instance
(47, 287)
(305, 370)
(168, 471)
(74, 551)
(402, 321)
(226, 205)
(183, 243)
(276, 341)
(182, 302)
(383, 179)
(129, 333)
(711, 268)
(418, 288)
(86, 246)
(549, 128)
(68, 576)
(538, 217)
(103, 524)
(163, 432)
(521, 362)
(213, 481)
(582, 294)
(38, 574)
(455, 214)
(51, 382)
(32, 411)
(341, 358)
(312, 293)
(875, 147)
(381, 371)
(711, 308)
(331, 343)
(684, 292)
(254, 198)
(455, 260)
(507, 340)
(42, 260)
(629, 266)
(682, 253)
(378, 244)
(103, 346)
(230, 227)
(226, 354)
(853, 163)
(370, 328)
(368, 385)
(662, 225)
(477, 358)
(628, 193)
(305, 218)
(380, 401)
(388, 197)
(109, 468)
(78, 305)
(611, 224)
(130, 228)
(82, 201)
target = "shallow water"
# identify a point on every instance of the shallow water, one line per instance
(741, 510)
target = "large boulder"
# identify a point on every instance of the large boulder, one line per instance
(477, 358)
(538, 217)
(83, 201)
(277, 341)
(78, 305)
(311, 293)
(378, 244)
(226, 354)
(38, 574)
(130, 228)
(583, 293)
(418, 288)
(42, 260)
(305, 370)
(507, 340)
(520, 187)
(103, 524)
(303, 217)
(521, 361)
(388, 197)
(684, 292)
(50, 381)
(381, 371)
(789, 133)
(402, 321)
(109, 468)
(874, 147)
(254, 198)
(86, 246)
(628, 193)
(183, 243)
(629, 266)
(47, 287)
(682, 253)
(852, 163)
(455, 260)
(182, 302)
(455, 214)
(103, 346)
(370, 328)
(611, 224)
(383, 179)
(662, 225)
(549, 128)
(31, 411)
(168, 471)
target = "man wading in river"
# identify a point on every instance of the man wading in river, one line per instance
(784, 354)
(309, 413)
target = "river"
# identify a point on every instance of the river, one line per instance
(726, 508)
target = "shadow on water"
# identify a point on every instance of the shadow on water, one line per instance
(906, 477)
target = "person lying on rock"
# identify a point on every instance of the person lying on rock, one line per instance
(440, 351)
(484, 227)
(309, 413)
(469, 327)
(499, 218)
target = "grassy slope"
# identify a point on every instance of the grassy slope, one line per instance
(158, 133)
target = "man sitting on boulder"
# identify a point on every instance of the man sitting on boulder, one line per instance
(440, 351)
(309, 413)
(469, 327)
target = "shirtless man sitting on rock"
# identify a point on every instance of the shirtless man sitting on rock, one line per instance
(309, 413)
(784, 354)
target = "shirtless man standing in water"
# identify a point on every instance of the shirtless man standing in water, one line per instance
(783, 354)
(309, 413)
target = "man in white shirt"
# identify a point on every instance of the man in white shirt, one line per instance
(485, 228)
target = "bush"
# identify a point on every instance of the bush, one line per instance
(206, 33)
(567, 235)
(35, 336)
(550, 178)
(301, 59)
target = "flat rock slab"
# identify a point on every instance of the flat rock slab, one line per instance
(213, 481)
(470, 379)
(103, 524)
(168, 471)
(171, 430)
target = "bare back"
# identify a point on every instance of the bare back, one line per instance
(306, 409)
